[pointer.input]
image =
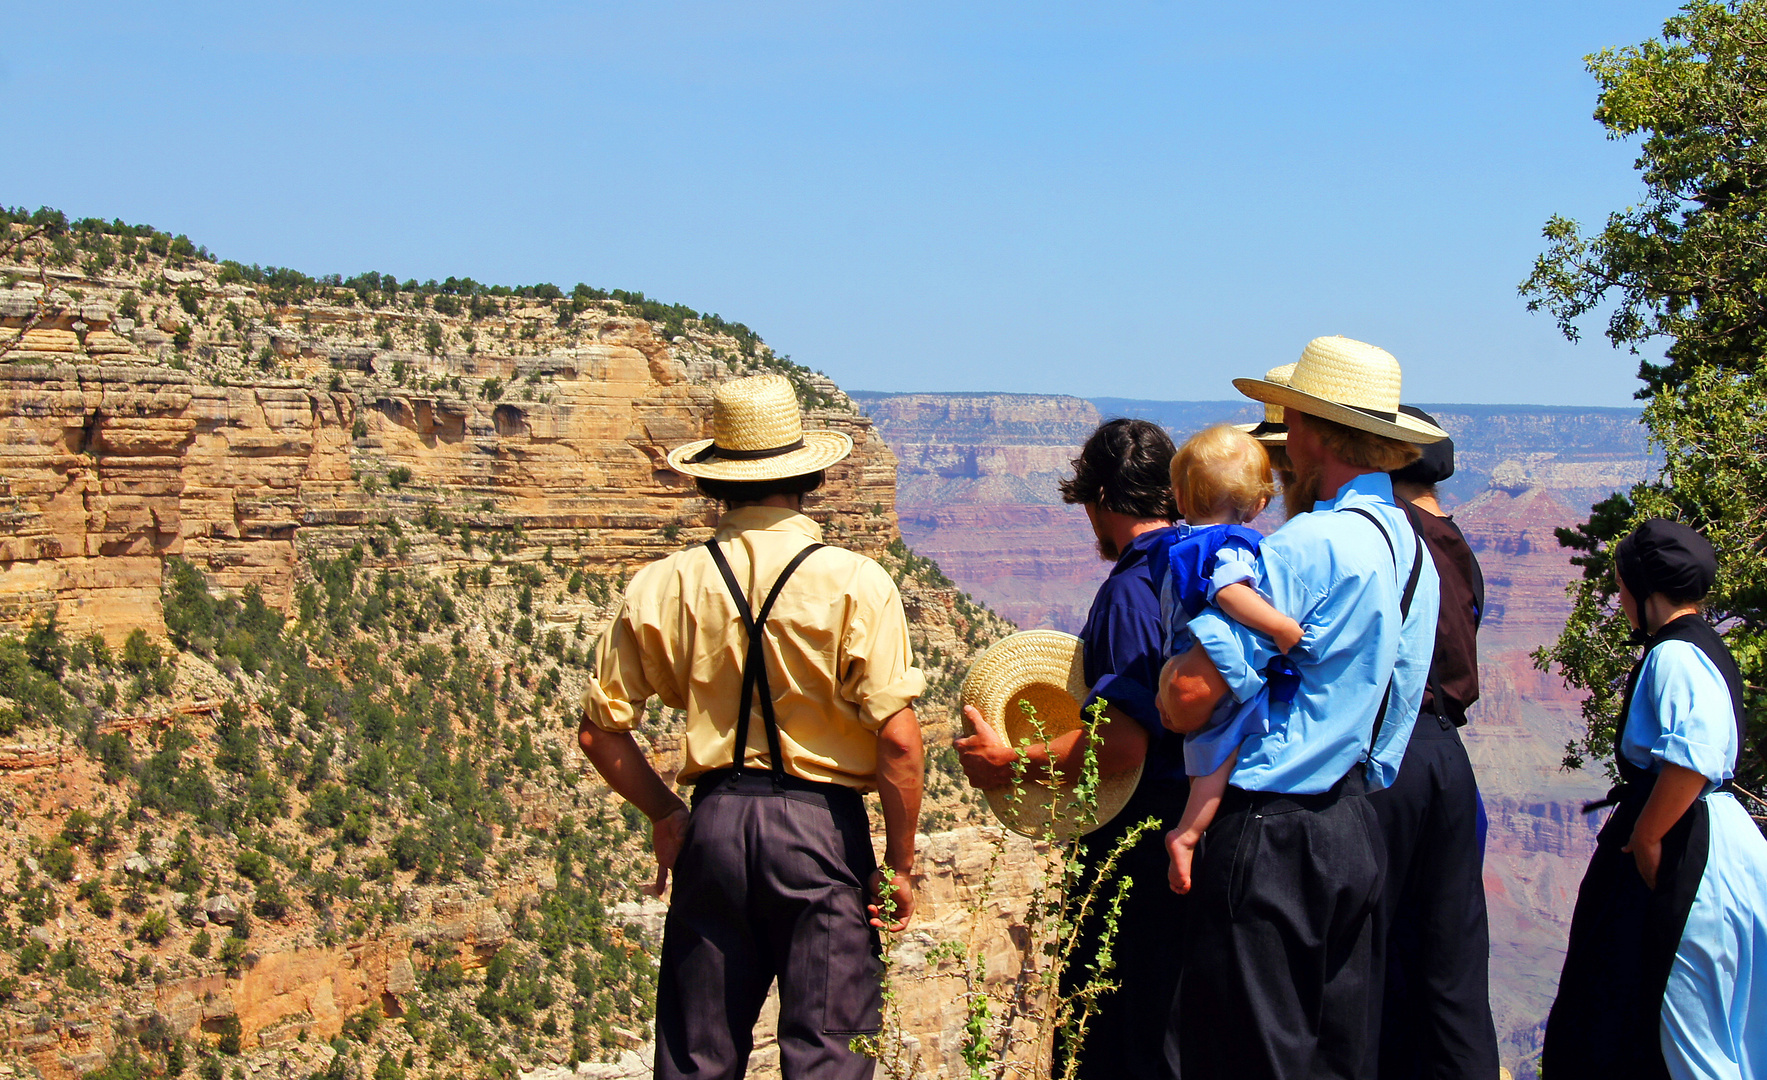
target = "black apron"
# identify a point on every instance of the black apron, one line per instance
(1607, 1020)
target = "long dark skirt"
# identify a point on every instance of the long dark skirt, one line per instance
(1607, 1021)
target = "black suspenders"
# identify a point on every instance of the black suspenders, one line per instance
(754, 668)
(1404, 607)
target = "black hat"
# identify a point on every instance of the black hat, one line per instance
(1667, 557)
(1437, 462)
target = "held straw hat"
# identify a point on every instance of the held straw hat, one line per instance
(1041, 668)
(1273, 430)
(1347, 381)
(758, 434)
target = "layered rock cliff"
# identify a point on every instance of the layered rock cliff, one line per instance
(114, 461)
(301, 576)
(976, 490)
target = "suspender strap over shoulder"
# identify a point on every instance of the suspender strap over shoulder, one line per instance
(1380, 716)
(754, 668)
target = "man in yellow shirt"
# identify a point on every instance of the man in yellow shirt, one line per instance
(793, 664)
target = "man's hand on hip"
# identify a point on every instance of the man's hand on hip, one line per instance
(986, 756)
(667, 834)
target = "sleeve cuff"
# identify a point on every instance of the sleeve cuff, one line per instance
(606, 713)
(1232, 652)
(1693, 756)
(1231, 572)
(892, 699)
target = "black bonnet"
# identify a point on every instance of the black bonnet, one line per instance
(1667, 557)
(1437, 462)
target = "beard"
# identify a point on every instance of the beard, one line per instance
(1300, 491)
(1108, 550)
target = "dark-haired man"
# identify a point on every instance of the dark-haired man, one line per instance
(1278, 977)
(793, 664)
(1122, 479)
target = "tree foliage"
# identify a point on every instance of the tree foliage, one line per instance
(1685, 270)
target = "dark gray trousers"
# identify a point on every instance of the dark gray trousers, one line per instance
(1432, 941)
(1277, 978)
(769, 885)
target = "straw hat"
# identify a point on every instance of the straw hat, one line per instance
(1273, 431)
(1347, 381)
(1041, 668)
(758, 434)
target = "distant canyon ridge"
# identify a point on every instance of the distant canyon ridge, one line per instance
(977, 491)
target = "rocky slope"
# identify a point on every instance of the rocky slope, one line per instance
(977, 491)
(297, 581)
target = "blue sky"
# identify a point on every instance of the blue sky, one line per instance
(1132, 200)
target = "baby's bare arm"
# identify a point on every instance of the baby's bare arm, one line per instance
(1244, 606)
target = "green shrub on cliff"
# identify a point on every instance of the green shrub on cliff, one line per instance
(29, 694)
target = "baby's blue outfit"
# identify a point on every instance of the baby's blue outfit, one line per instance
(1198, 563)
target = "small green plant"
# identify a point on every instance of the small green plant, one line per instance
(230, 1033)
(153, 928)
(232, 956)
(1010, 1025)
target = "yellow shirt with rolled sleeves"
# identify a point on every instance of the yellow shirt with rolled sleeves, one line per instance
(838, 654)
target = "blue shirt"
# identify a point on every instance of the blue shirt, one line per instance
(1681, 714)
(1198, 563)
(1121, 653)
(1331, 571)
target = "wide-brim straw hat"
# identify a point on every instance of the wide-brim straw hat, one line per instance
(1347, 381)
(1041, 668)
(1273, 429)
(758, 434)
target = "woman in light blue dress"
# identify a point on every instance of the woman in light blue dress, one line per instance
(1666, 973)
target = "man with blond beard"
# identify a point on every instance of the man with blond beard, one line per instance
(1277, 976)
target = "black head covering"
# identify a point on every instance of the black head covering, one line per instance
(1667, 557)
(1437, 462)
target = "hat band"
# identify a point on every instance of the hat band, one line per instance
(713, 450)
(1265, 427)
(1389, 417)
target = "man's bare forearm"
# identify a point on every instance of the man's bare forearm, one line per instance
(1190, 687)
(901, 777)
(1121, 744)
(618, 758)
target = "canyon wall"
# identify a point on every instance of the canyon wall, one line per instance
(108, 467)
(977, 491)
(488, 479)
